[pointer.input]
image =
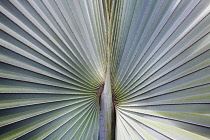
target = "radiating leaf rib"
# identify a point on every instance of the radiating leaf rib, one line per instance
(144, 134)
(54, 49)
(74, 76)
(193, 118)
(25, 102)
(170, 131)
(68, 126)
(31, 113)
(60, 123)
(34, 125)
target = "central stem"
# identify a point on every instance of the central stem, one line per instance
(107, 127)
(107, 107)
